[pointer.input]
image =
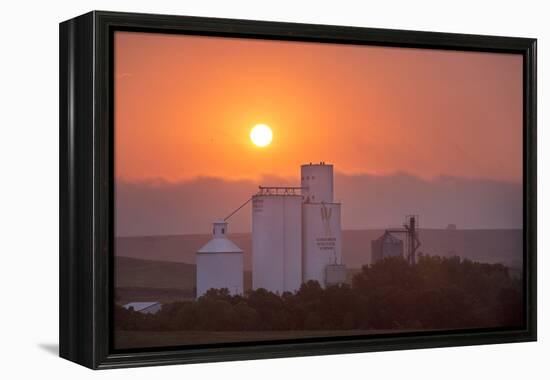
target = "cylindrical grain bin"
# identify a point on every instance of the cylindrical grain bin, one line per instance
(276, 241)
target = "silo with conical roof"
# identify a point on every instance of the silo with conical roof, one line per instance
(219, 263)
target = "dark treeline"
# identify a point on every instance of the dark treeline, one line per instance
(436, 293)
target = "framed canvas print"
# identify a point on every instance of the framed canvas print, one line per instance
(236, 189)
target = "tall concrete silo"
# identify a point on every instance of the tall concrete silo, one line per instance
(220, 263)
(277, 239)
(317, 183)
(321, 226)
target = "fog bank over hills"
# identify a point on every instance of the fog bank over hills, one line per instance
(152, 208)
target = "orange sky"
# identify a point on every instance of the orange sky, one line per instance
(184, 106)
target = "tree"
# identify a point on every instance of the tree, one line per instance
(436, 293)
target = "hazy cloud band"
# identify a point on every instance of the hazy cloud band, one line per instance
(368, 201)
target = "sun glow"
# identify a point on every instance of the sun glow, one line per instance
(261, 135)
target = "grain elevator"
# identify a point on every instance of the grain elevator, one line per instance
(296, 233)
(296, 237)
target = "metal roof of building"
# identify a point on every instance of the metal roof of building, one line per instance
(389, 238)
(220, 245)
(138, 306)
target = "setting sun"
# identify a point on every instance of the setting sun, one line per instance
(261, 135)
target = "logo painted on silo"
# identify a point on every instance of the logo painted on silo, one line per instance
(326, 213)
(328, 242)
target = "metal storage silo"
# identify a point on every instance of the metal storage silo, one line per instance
(386, 245)
(220, 263)
(277, 239)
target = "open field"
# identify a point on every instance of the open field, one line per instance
(126, 295)
(138, 280)
(144, 339)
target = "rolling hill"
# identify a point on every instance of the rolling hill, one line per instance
(492, 246)
(136, 273)
(138, 280)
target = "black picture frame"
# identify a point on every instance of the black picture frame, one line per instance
(86, 187)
